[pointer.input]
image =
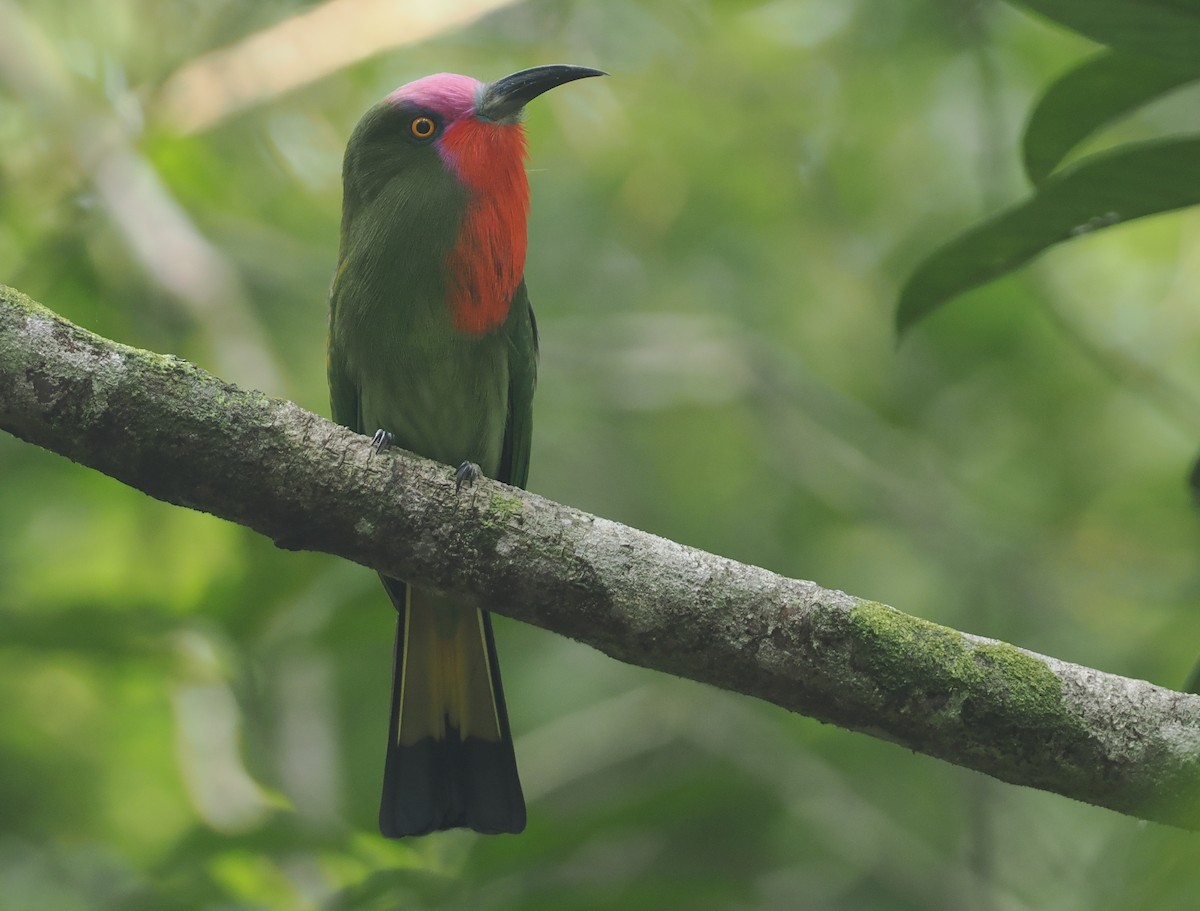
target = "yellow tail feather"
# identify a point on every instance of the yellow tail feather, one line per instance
(447, 678)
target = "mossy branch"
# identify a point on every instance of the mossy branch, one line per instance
(179, 434)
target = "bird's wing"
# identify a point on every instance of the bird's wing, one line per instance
(343, 392)
(521, 331)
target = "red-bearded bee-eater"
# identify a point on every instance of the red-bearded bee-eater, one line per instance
(433, 347)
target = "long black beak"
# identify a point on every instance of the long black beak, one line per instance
(505, 98)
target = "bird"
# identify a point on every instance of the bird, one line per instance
(433, 348)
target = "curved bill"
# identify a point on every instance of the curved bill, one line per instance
(505, 97)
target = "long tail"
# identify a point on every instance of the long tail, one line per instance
(450, 760)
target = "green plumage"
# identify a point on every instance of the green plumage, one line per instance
(397, 363)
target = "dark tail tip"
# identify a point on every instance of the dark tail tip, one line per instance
(451, 784)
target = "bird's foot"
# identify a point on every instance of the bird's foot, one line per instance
(466, 475)
(381, 441)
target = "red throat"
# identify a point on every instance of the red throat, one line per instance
(487, 261)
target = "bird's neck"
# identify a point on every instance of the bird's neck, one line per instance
(485, 264)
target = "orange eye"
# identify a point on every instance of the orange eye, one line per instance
(422, 127)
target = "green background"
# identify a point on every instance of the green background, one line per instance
(192, 719)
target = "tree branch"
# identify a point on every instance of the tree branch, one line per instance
(179, 434)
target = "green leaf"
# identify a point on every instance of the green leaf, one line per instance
(1163, 29)
(1095, 93)
(1103, 190)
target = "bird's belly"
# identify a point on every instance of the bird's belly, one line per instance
(446, 402)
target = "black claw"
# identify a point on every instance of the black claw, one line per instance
(381, 441)
(466, 475)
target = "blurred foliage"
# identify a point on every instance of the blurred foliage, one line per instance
(1101, 190)
(191, 719)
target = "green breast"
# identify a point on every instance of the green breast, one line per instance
(396, 362)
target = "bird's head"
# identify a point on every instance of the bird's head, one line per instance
(442, 160)
(460, 125)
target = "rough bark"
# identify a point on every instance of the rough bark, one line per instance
(172, 430)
